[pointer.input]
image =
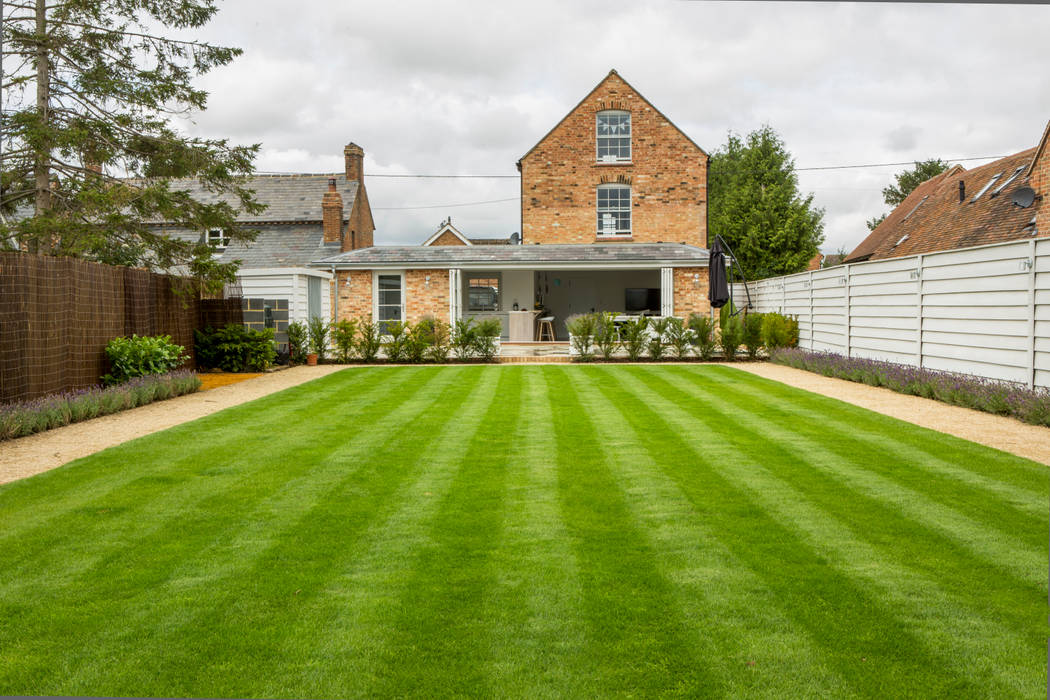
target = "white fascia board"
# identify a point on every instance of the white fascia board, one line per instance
(568, 265)
(276, 271)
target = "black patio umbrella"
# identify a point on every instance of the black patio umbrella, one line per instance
(717, 285)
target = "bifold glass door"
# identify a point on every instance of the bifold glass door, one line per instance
(390, 300)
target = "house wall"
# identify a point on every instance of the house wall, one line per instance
(359, 228)
(517, 286)
(668, 176)
(448, 238)
(355, 299)
(1040, 182)
(426, 298)
(288, 285)
(690, 291)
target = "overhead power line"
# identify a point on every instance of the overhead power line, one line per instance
(449, 206)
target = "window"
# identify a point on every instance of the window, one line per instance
(483, 294)
(614, 136)
(995, 179)
(614, 210)
(388, 300)
(217, 238)
(1000, 188)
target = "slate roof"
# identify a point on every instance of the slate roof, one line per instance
(671, 254)
(286, 245)
(933, 219)
(290, 198)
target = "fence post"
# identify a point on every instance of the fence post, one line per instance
(918, 312)
(1031, 314)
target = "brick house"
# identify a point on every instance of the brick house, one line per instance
(307, 217)
(962, 208)
(613, 217)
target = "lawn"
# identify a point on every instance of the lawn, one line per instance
(530, 531)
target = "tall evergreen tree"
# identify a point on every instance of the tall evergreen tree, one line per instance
(755, 205)
(89, 89)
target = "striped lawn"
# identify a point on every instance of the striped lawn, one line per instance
(530, 531)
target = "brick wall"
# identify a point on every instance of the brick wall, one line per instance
(359, 228)
(1040, 182)
(355, 300)
(667, 175)
(448, 238)
(690, 295)
(426, 299)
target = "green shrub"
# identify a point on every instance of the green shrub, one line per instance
(234, 348)
(581, 331)
(732, 336)
(369, 341)
(779, 331)
(439, 342)
(397, 347)
(464, 336)
(343, 333)
(727, 312)
(297, 342)
(657, 343)
(678, 337)
(418, 339)
(317, 328)
(703, 338)
(139, 356)
(633, 337)
(606, 337)
(488, 332)
(752, 334)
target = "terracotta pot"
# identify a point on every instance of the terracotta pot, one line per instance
(311, 358)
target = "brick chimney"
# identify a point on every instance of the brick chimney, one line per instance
(332, 214)
(355, 162)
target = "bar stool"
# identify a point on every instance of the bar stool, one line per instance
(546, 326)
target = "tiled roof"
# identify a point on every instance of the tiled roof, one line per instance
(287, 245)
(931, 218)
(490, 241)
(520, 255)
(289, 198)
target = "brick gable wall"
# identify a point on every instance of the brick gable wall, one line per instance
(1040, 182)
(667, 175)
(448, 238)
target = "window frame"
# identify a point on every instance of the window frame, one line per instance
(619, 233)
(376, 274)
(484, 277)
(223, 241)
(598, 137)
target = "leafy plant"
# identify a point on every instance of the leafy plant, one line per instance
(487, 335)
(731, 337)
(234, 348)
(779, 331)
(297, 337)
(752, 334)
(703, 338)
(657, 344)
(633, 337)
(418, 340)
(606, 336)
(581, 333)
(343, 333)
(440, 342)
(317, 328)
(727, 312)
(369, 341)
(397, 347)
(138, 356)
(464, 335)
(678, 337)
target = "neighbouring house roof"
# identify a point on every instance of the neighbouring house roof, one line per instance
(932, 218)
(549, 256)
(277, 245)
(490, 241)
(289, 198)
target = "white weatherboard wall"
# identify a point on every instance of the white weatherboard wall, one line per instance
(289, 283)
(982, 311)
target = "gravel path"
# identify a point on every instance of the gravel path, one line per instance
(38, 453)
(43, 451)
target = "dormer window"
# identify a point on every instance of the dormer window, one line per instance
(614, 210)
(217, 239)
(613, 128)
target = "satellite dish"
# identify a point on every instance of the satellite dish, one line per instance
(1023, 197)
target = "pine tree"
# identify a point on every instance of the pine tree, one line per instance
(755, 205)
(89, 91)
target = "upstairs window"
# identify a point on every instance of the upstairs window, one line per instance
(614, 210)
(217, 238)
(614, 136)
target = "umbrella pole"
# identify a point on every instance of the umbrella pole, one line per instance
(742, 277)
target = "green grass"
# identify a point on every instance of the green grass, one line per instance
(530, 531)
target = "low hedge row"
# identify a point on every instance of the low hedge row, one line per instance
(28, 417)
(988, 395)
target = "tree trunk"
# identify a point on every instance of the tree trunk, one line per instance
(42, 169)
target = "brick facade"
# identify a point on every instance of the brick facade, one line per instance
(1039, 181)
(448, 238)
(423, 298)
(667, 175)
(355, 299)
(690, 293)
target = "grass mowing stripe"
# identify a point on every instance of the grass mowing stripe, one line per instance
(1024, 561)
(735, 618)
(537, 590)
(160, 559)
(959, 480)
(988, 650)
(30, 508)
(344, 495)
(860, 636)
(447, 610)
(185, 473)
(348, 623)
(637, 642)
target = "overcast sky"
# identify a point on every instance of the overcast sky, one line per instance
(468, 87)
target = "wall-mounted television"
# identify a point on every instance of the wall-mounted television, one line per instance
(640, 299)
